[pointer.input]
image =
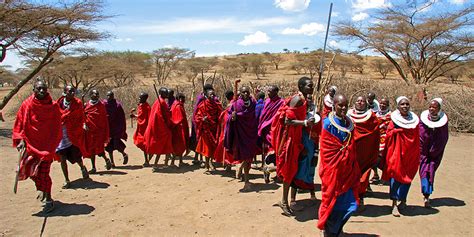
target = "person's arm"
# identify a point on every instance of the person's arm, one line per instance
(297, 101)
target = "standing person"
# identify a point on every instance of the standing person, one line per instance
(287, 133)
(328, 101)
(143, 115)
(193, 139)
(402, 152)
(158, 138)
(434, 134)
(260, 104)
(97, 130)
(206, 120)
(384, 119)
(367, 141)
(117, 128)
(220, 154)
(240, 138)
(180, 129)
(37, 133)
(338, 169)
(170, 98)
(372, 103)
(72, 144)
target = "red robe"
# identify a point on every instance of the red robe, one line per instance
(402, 153)
(97, 136)
(158, 138)
(207, 130)
(180, 128)
(74, 119)
(338, 170)
(221, 155)
(367, 138)
(38, 123)
(286, 140)
(143, 114)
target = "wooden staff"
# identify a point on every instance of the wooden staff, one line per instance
(321, 66)
(17, 176)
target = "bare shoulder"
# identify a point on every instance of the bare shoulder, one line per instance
(296, 101)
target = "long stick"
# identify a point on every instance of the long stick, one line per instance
(156, 91)
(321, 67)
(20, 157)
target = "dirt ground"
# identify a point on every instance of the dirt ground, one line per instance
(133, 201)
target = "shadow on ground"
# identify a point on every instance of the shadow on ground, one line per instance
(129, 167)
(110, 172)
(177, 170)
(6, 132)
(87, 184)
(67, 209)
(447, 202)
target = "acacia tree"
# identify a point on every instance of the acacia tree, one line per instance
(39, 31)
(275, 59)
(422, 42)
(383, 67)
(167, 60)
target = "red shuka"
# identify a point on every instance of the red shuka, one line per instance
(38, 124)
(143, 114)
(74, 119)
(402, 153)
(221, 155)
(158, 133)
(207, 129)
(286, 140)
(180, 128)
(338, 170)
(97, 134)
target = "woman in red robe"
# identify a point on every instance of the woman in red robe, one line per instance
(180, 129)
(206, 120)
(402, 153)
(97, 130)
(143, 114)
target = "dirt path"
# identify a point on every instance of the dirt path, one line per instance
(133, 201)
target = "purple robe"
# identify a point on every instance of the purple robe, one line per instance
(240, 136)
(116, 117)
(266, 118)
(193, 137)
(432, 144)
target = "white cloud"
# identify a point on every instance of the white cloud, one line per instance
(458, 2)
(13, 61)
(292, 5)
(361, 5)
(305, 29)
(124, 39)
(210, 42)
(199, 25)
(212, 54)
(168, 46)
(335, 14)
(256, 38)
(333, 44)
(360, 16)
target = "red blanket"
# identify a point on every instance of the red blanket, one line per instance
(367, 137)
(74, 119)
(338, 170)
(97, 134)
(221, 155)
(158, 132)
(38, 123)
(180, 128)
(143, 113)
(402, 153)
(286, 140)
(206, 129)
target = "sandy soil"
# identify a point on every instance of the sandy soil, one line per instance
(133, 201)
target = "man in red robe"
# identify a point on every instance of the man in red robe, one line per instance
(37, 133)
(287, 128)
(142, 115)
(72, 144)
(158, 137)
(384, 117)
(206, 120)
(221, 155)
(338, 169)
(367, 138)
(97, 130)
(402, 153)
(180, 129)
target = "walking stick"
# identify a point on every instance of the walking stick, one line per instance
(20, 157)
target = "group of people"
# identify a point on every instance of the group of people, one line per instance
(289, 134)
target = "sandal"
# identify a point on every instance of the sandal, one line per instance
(285, 208)
(108, 164)
(66, 185)
(125, 159)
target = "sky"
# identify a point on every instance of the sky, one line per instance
(223, 27)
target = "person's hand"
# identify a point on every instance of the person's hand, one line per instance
(85, 127)
(20, 145)
(234, 116)
(310, 121)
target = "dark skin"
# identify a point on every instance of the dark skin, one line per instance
(142, 98)
(245, 95)
(361, 103)
(404, 107)
(272, 92)
(94, 95)
(341, 105)
(384, 104)
(70, 93)
(331, 92)
(209, 95)
(164, 93)
(370, 97)
(111, 97)
(434, 108)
